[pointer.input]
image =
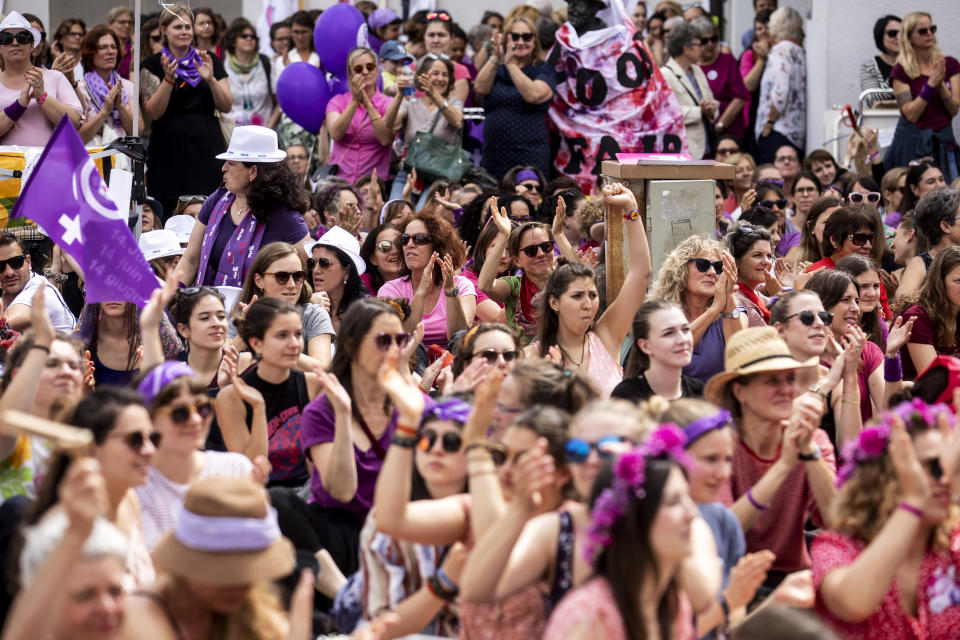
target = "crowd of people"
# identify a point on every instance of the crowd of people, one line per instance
(374, 400)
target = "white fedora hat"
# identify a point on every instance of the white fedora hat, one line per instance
(182, 226)
(253, 144)
(15, 20)
(160, 244)
(340, 238)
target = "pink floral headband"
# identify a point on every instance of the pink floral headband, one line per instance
(667, 440)
(873, 441)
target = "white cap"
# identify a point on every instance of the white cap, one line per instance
(251, 143)
(182, 226)
(160, 244)
(16, 21)
(340, 238)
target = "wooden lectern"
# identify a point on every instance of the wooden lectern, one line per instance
(649, 182)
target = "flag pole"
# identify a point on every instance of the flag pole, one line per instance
(135, 52)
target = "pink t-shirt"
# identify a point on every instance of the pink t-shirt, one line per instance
(434, 321)
(33, 129)
(359, 152)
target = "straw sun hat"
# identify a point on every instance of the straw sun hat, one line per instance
(226, 534)
(749, 351)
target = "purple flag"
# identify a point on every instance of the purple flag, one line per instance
(66, 196)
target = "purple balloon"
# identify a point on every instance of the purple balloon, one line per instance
(303, 92)
(335, 35)
(338, 85)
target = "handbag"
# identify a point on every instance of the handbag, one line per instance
(435, 158)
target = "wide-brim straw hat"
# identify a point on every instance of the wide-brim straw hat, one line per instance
(748, 351)
(227, 534)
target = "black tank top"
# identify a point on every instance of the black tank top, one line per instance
(284, 404)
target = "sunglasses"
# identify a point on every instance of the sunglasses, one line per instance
(932, 29)
(534, 249)
(856, 198)
(419, 239)
(192, 291)
(384, 246)
(248, 36)
(76, 34)
(491, 355)
(194, 198)
(282, 277)
(892, 33)
(727, 150)
(15, 263)
(155, 38)
(324, 263)
(135, 439)
(437, 56)
(384, 340)
(860, 238)
(438, 15)
(530, 186)
(183, 413)
(578, 450)
(526, 37)
(22, 37)
(703, 265)
(933, 467)
(807, 317)
(360, 68)
(711, 40)
(916, 162)
(773, 204)
(451, 441)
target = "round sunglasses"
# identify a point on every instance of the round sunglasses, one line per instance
(136, 439)
(773, 204)
(282, 277)
(22, 37)
(384, 246)
(703, 265)
(323, 263)
(491, 355)
(419, 239)
(531, 251)
(578, 450)
(807, 317)
(450, 441)
(384, 340)
(182, 414)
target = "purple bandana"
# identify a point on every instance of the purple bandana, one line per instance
(99, 90)
(240, 250)
(188, 66)
(700, 427)
(452, 409)
(526, 174)
(162, 375)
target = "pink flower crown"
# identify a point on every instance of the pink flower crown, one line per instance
(611, 505)
(873, 441)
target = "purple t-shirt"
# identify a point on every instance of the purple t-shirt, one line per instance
(284, 226)
(317, 427)
(708, 353)
(726, 84)
(359, 152)
(935, 116)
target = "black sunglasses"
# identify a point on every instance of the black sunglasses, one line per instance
(451, 441)
(860, 238)
(532, 250)
(183, 413)
(703, 265)
(933, 467)
(248, 36)
(324, 263)
(711, 40)
(15, 263)
(282, 277)
(358, 69)
(135, 439)
(526, 37)
(773, 204)
(892, 33)
(22, 37)
(807, 317)
(384, 246)
(922, 30)
(419, 239)
(530, 186)
(384, 340)
(155, 38)
(491, 355)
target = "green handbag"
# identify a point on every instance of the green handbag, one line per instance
(435, 158)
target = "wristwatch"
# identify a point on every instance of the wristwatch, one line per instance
(733, 314)
(719, 126)
(814, 455)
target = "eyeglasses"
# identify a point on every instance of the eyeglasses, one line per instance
(451, 441)
(136, 439)
(805, 190)
(248, 36)
(124, 22)
(526, 37)
(860, 238)
(773, 204)
(933, 467)
(856, 197)
(711, 40)
(383, 340)
(323, 263)
(438, 15)
(703, 265)
(282, 277)
(76, 34)
(15, 263)
(807, 317)
(892, 33)
(578, 450)
(491, 355)
(932, 29)
(22, 37)
(727, 150)
(359, 68)
(155, 38)
(530, 186)
(785, 159)
(384, 246)
(533, 250)
(182, 414)
(419, 239)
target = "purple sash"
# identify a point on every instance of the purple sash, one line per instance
(240, 250)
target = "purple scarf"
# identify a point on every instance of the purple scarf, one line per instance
(99, 90)
(240, 250)
(187, 66)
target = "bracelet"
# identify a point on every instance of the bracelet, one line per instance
(406, 430)
(927, 92)
(15, 110)
(757, 505)
(42, 98)
(41, 347)
(406, 443)
(845, 401)
(452, 294)
(633, 215)
(873, 156)
(172, 83)
(892, 369)
(909, 508)
(725, 625)
(437, 589)
(446, 581)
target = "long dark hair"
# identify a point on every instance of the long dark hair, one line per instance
(275, 187)
(557, 284)
(183, 304)
(855, 264)
(368, 248)
(353, 288)
(88, 330)
(933, 297)
(810, 249)
(260, 315)
(914, 173)
(831, 285)
(637, 360)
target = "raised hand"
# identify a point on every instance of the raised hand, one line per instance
(899, 335)
(426, 281)
(301, 608)
(169, 67)
(25, 96)
(749, 198)
(406, 396)
(559, 218)
(748, 574)
(448, 271)
(321, 298)
(534, 473)
(914, 485)
(501, 219)
(159, 300)
(228, 365)
(801, 279)
(484, 399)
(407, 352)
(43, 330)
(110, 101)
(351, 218)
(65, 63)
(248, 394)
(83, 494)
(618, 195)
(205, 67)
(261, 470)
(589, 257)
(409, 185)
(337, 396)
(784, 272)
(35, 80)
(242, 308)
(472, 375)
(88, 370)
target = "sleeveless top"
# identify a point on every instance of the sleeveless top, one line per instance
(284, 404)
(563, 573)
(927, 259)
(167, 612)
(603, 370)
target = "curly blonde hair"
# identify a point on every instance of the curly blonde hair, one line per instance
(671, 281)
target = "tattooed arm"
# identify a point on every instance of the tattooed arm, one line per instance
(911, 108)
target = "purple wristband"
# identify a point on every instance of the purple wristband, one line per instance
(15, 110)
(457, 214)
(892, 369)
(927, 92)
(757, 505)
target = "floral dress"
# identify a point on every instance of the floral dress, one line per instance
(784, 85)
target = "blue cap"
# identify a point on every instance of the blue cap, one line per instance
(395, 51)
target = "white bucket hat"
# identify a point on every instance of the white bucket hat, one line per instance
(16, 21)
(340, 238)
(253, 144)
(160, 244)
(182, 226)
